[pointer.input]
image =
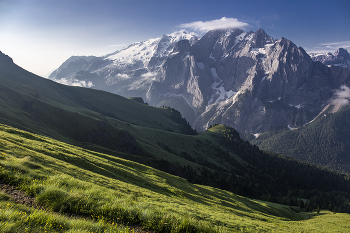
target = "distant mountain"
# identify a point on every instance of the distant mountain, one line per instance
(133, 64)
(340, 58)
(247, 80)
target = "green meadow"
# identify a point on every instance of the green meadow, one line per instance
(86, 191)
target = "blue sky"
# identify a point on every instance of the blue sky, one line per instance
(41, 34)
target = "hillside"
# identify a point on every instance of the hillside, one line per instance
(324, 142)
(102, 190)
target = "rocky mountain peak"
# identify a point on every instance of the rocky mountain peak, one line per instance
(260, 39)
(341, 54)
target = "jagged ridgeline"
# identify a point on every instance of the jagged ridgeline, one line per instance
(161, 138)
(247, 80)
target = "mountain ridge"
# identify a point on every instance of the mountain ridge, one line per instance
(340, 57)
(246, 80)
(201, 77)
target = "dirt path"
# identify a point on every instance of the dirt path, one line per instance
(22, 197)
(19, 196)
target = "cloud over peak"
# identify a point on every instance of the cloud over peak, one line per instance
(329, 47)
(341, 97)
(223, 23)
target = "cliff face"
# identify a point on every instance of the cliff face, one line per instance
(247, 80)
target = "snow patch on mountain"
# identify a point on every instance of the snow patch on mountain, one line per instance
(142, 52)
(200, 65)
(211, 56)
(75, 82)
(149, 74)
(290, 127)
(296, 106)
(257, 51)
(256, 135)
(218, 87)
(239, 38)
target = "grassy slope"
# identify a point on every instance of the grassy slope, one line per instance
(69, 179)
(82, 117)
(26, 97)
(19, 218)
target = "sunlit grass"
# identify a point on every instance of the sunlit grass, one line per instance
(105, 189)
(19, 218)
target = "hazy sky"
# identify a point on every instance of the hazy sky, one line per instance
(41, 35)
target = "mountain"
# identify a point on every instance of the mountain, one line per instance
(340, 58)
(247, 80)
(98, 121)
(129, 66)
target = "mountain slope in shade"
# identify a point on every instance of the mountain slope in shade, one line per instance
(324, 142)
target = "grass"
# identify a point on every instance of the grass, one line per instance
(106, 189)
(19, 218)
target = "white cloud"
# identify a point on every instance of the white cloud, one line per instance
(342, 95)
(223, 23)
(123, 76)
(149, 74)
(75, 82)
(329, 47)
(337, 45)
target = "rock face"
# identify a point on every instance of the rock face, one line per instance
(247, 80)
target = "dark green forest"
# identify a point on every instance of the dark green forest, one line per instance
(324, 142)
(270, 177)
